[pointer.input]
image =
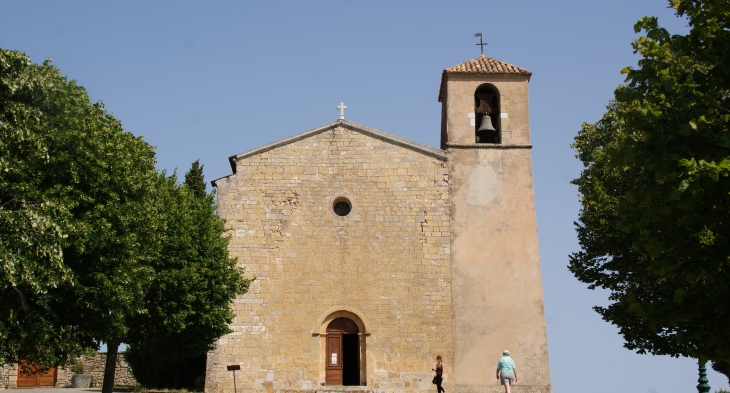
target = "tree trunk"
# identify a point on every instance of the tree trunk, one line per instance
(176, 382)
(112, 347)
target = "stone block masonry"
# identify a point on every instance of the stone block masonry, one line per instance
(8, 376)
(385, 265)
(95, 366)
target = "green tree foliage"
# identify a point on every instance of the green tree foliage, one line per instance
(195, 181)
(655, 224)
(182, 374)
(95, 246)
(194, 281)
(33, 226)
(72, 188)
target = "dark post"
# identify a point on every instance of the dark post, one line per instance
(233, 369)
(703, 387)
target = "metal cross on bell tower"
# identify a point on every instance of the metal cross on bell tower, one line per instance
(480, 44)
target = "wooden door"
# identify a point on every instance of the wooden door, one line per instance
(35, 379)
(336, 365)
(334, 359)
(48, 378)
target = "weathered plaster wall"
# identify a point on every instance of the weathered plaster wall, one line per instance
(386, 264)
(498, 302)
(497, 284)
(459, 102)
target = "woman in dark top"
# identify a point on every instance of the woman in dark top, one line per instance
(438, 379)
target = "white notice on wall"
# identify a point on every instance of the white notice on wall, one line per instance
(334, 358)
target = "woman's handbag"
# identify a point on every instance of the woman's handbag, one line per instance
(435, 380)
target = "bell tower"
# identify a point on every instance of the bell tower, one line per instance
(495, 260)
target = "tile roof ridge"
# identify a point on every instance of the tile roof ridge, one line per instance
(482, 65)
(486, 65)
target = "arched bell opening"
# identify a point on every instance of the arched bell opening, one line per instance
(343, 353)
(487, 127)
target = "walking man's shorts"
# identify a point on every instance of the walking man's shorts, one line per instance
(507, 376)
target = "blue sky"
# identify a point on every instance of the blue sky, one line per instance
(202, 81)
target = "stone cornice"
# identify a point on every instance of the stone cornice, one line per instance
(488, 146)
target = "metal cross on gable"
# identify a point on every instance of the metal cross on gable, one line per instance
(480, 44)
(342, 108)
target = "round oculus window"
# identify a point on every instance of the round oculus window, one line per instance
(342, 206)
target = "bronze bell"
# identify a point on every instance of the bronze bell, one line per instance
(486, 132)
(486, 124)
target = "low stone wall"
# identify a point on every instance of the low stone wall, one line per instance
(8, 376)
(92, 365)
(95, 367)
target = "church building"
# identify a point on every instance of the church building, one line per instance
(373, 254)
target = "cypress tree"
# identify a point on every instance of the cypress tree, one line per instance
(195, 181)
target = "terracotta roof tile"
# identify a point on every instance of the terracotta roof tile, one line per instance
(482, 65)
(486, 65)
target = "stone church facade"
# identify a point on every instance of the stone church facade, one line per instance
(373, 254)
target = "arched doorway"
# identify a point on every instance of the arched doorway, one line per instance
(343, 353)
